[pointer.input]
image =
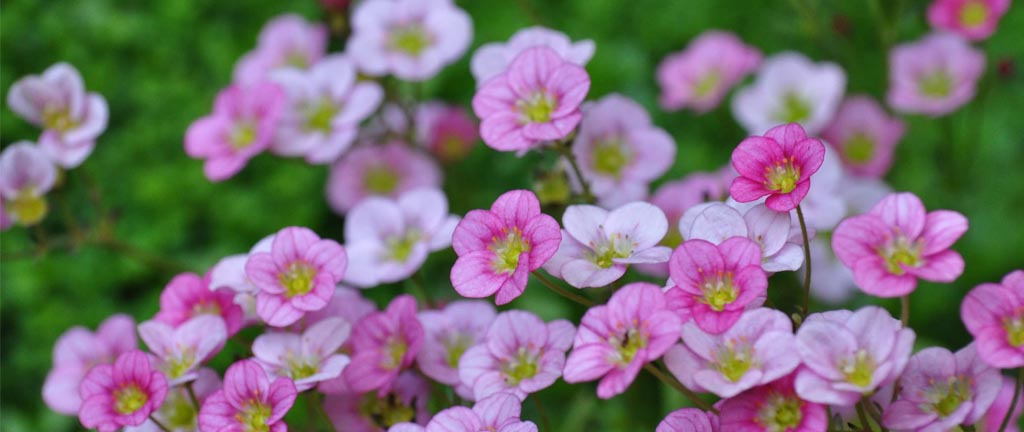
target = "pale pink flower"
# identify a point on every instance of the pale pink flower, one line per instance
(790, 88)
(993, 418)
(934, 75)
(308, 357)
(122, 394)
(446, 130)
(772, 407)
(249, 401)
(26, 175)
(448, 334)
(188, 295)
(383, 345)
(498, 413)
(689, 420)
(406, 402)
(973, 19)
(379, 170)
(229, 274)
(865, 135)
(493, 58)
(178, 413)
(77, 351)
(775, 233)
(183, 349)
(286, 42)
(778, 165)
(994, 314)
(700, 76)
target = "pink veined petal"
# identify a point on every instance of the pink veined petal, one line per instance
(498, 409)
(583, 223)
(787, 134)
(503, 132)
(280, 395)
(858, 237)
(291, 243)
(544, 236)
(516, 207)
(514, 285)
(745, 190)
(686, 420)
(789, 201)
(740, 252)
(944, 267)
(457, 418)
(906, 415)
(275, 310)
(644, 223)
(570, 83)
(809, 154)
(715, 322)
(473, 275)
(873, 278)
(754, 154)
(942, 228)
(904, 211)
(619, 379)
(494, 97)
(718, 222)
(692, 260)
(556, 128)
(588, 363)
(530, 70)
(475, 231)
(984, 307)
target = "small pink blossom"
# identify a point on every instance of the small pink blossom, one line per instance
(790, 88)
(406, 402)
(993, 418)
(700, 76)
(974, 19)
(778, 165)
(491, 59)
(286, 42)
(448, 334)
(498, 412)
(994, 315)
(188, 295)
(248, 401)
(308, 357)
(865, 136)
(383, 345)
(229, 274)
(772, 407)
(775, 233)
(446, 130)
(178, 413)
(183, 349)
(76, 352)
(122, 394)
(689, 420)
(934, 75)
(387, 170)
(26, 175)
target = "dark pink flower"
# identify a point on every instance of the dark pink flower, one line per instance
(383, 345)
(77, 351)
(689, 420)
(122, 394)
(772, 407)
(370, 412)
(700, 76)
(387, 170)
(865, 135)
(249, 401)
(778, 164)
(973, 19)
(994, 314)
(187, 296)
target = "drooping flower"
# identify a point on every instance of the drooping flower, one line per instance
(993, 418)
(369, 412)
(757, 350)
(77, 350)
(383, 345)
(307, 358)
(286, 42)
(188, 296)
(598, 245)
(122, 394)
(493, 58)
(614, 341)
(934, 75)
(448, 334)
(865, 136)
(498, 412)
(57, 102)
(379, 170)
(446, 130)
(183, 349)
(688, 420)
(249, 401)
(790, 88)
(896, 243)
(849, 354)
(499, 247)
(994, 315)
(774, 232)
(535, 101)
(700, 76)
(177, 413)
(974, 19)
(26, 175)
(772, 407)
(521, 355)
(778, 165)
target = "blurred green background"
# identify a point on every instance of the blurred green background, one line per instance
(160, 64)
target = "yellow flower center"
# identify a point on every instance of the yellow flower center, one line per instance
(28, 208)
(297, 279)
(707, 83)
(385, 412)
(319, 115)
(522, 366)
(632, 342)
(508, 249)
(455, 348)
(395, 350)
(129, 399)
(973, 14)
(243, 134)
(411, 39)
(780, 413)
(946, 397)
(58, 119)
(859, 369)
(254, 416)
(177, 366)
(399, 247)
(610, 157)
(617, 246)
(718, 290)
(178, 412)
(537, 108)
(783, 176)
(734, 359)
(935, 85)
(794, 109)
(380, 180)
(859, 148)
(299, 367)
(901, 252)
(1014, 330)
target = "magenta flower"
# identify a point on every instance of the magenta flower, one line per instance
(298, 275)
(346, 303)
(536, 100)
(187, 296)
(775, 233)
(772, 407)
(715, 284)
(379, 170)
(598, 245)
(498, 248)
(994, 314)
(498, 412)
(941, 390)
(700, 76)
(410, 39)
(242, 125)
(307, 358)
(896, 243)
(757, 350)
(778, 165)
(122, 394)
(934, 75)
(491, 59)
(286, 42)
(249, 401)
(973, 19)
(77, 350)
(446, 130)
(384, 344)
(850, 354)
(521, 355)
(993, 418)
(177, 412)
(689, 420)
(26, 175)
(406, 402)
(790, 88)
(57, 102)
(614, 341)
(865, 136)
(449, 333)
(183, 349)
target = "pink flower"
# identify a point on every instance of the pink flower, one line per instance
(325, 106)
(940, 390)
(229, 274)
(57, 102)
(934, 75)
(993, 418)
(779, 164)
(775, 233)
(757, 350)
(410, 39)
(790, 88)
(689, 420)
(536, 100)
(379, 170)
(715, 284)
(248, 401)
(521, 355)
(182, 350)
(298, 275)
(187, 296)
(498, 412)
(994, 314)
(614, 341)
(406, 402)
(26, 175)
(850, 354)
(177, 412)
(306, 358)
(384, 344)
(896, 243)
(701, 75)
(973, 19)
(598, 245)
(122, 394)
(286, 42)
(865, 136)
(491, 59)
(498, 248)
(241, 126)
(449, 333)
(772, 407)
(77, 351)
(346, 303)
(446, 130)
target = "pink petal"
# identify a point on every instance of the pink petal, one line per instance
(942, 229)
(904, 211)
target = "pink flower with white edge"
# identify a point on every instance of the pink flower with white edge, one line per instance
(757, 350)
(499, 247)
(122, 394)
(616, 340)
(498, 412)
(994, 315)
(974, 19)
(379, 170)
(775, 233)
(308, 357)
(448, 334)
(598, 245)
(446, 130)
(715, 284)
(249, 401)
(183, 349)
(286, 42)
(620, 152)
(188, 296)
(897, 242)
(177, 413)
(493, 58)
(778, 165)
(688, 420)
(849, 354)
(389, 240)
(383, 344)
(700, 76)
(865, 135)
(297, 276)
(406, 402)
(26, 175)
(941, 390)
(410, 39)
(993, 418)
(790, 88)
(934, 75)
(57, 102)
(325, 106)
(521, 355)
(772, 407)
(535, 101)
(77, 350)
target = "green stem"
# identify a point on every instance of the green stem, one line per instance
(543, 413)
(565, 149)
(905, 310)
(665, 378)
(864, 424)
(158, 424)
(192, 395)
(807, 264)
(562, 291)
(417, 281)
(1013, 402)
(316, 406)
(873, 412)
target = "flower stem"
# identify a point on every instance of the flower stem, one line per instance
(417, 282)
(315, 405)
(1013, 402)
(565, 149)
(864, 424)
(562, 291)
(192, 395)
(807, 263)
(905, 310)
(665, 378)
(543, 413)
(873, 412)
(158, 424)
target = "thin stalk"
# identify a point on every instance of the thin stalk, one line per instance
(905, 310)
(562, 291)
(1013, 402)
(417, 281)
(663, 377)
(873, 412)
(314, 405)
(158, 424)
(864, 424)
(565, 149)
(807, 264)
(192, 395)
(543, 413)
